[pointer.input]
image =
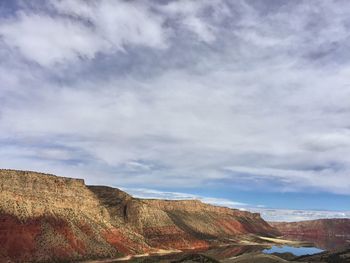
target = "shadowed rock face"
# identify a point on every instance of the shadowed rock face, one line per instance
(45, 218)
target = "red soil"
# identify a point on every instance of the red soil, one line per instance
(17, 240)
(172, 237)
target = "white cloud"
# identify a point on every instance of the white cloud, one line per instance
(203, 31)
(289, 215)
(98, 27)
(191, 15)
(326, 142)
(155, 194)
(298, 179)
(241, 95)
(48, 40)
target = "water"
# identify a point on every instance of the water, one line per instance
(329, 243)
(296, 251)
(222, 253)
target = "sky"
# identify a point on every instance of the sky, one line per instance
(239, 103)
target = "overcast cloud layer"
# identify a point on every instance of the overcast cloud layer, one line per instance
(253, 94)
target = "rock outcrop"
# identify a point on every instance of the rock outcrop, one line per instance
(315, 228)
(48, 218)
(328, 234)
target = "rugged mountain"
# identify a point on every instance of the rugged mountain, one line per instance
(320, 227)
(328, 234)
(48, 218)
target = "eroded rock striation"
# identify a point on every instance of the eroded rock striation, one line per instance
(49, 218)
(315, 228)
(328, 234)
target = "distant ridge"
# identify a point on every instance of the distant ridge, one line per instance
(313, 228)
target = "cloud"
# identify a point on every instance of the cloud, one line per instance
(326, 142)
(288, 215)
(299, 178)
(155, 194)
(33, 36)
(81, 30)
(194, 16)
(100, 27)
(150, 94)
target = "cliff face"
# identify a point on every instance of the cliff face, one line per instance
(46, 218)
(198, 220)
(328, 234)
(315, 228)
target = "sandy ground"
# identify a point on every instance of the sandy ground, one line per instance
(261, 258)
(269, 241)
(160, 252)
(260, 241)
(280, 241)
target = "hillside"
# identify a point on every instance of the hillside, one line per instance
(49, 218)
(329, 234)
(314, 228)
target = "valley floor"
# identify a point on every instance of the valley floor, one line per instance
(255, 257)
(247, 250)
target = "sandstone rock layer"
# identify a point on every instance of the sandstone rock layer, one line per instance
(315, 228)
(328, 234)
(46, 218)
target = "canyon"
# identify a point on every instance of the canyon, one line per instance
(328, 234)
(315, 228)
(46, 218)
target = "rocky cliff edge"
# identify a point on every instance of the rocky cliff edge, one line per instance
(49, 218)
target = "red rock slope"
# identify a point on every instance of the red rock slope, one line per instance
(48, 218)
(315, 228)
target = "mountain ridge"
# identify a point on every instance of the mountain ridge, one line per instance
(48, 218)
(315, 227)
